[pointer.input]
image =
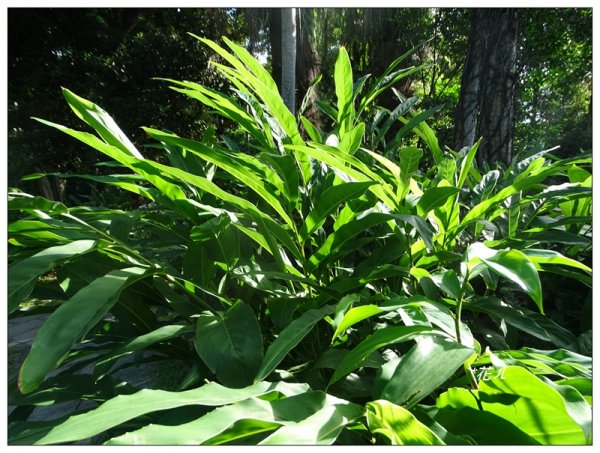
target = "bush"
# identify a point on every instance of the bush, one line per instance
(318, 291)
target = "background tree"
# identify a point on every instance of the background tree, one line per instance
(111, 56)
(488, 82)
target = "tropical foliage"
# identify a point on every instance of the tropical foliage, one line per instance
(357, 285)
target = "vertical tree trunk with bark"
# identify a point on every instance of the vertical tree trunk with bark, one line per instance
(308, 64)
(497, 107)
(288, 57)
(488, 83)
(275, 38)
(465, 126)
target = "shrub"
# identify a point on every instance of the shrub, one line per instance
(317, 291)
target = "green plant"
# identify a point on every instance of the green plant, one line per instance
(318, 290)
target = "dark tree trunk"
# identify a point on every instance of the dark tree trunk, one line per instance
(465, 128)
(275, 37)
(307, 64)
(487, 97)
(497, 107)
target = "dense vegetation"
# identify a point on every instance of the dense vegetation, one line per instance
(348, 280)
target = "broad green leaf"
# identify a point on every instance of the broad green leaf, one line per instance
(311, 130)
(201, 430)
(523, 319)
(379, 339)
(435, 197)
(328, 202)
(448, 282)
(577, 407)
(540, 256)
(558, 362)
(355, 315)
(143, 341)
(481, 427)
(511, 264)
(101, 122)
(127, 407)
(22, 202)
(423, 369)
(230, 345)
(409, 164)
(421, 226)
(343, 91)
(523, 400)
(398, 425)
(289, 338)
(321, 428)
(353, 139)
(71, 321)
(23, 275)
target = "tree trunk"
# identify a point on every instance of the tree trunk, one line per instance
(497, 106)
(465, 127)
(307, 64)
(275, 37)
(288, 60)
(488, 83)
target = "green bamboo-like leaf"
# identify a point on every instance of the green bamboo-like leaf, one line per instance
(289, 338)
(540, 256)
(398, 425)
(346, 232)
(101, 122)
(18, 201)
(328, 202)
(434, 198)
(409, 164)
(143, 341)
(311, 130)
(255, 67)
(127, 407)
(147, 169)
(466, 163)
(417, 122)
(525, 320)
(524, 401)
(355, 315)
(350, 166)
(23, 275)
(321, 428)
(421, 226)
(425, 367)
(513, 265)
(379, 339)
(72, 320)
(230, 345)
(227, 163)
(125, 182)
(353, 139)
(223, 105)
(343, 90)
(400, 110)
(286, 168)
(228, 421)
(202, 430)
